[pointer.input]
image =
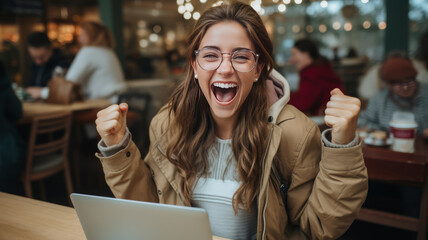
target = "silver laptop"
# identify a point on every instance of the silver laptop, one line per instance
(110, 218)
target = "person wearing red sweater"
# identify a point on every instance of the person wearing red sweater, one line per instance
(317, 78)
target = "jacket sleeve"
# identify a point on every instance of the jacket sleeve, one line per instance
(128, 176)
(326, 194)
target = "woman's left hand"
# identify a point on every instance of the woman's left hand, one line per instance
(341, 115)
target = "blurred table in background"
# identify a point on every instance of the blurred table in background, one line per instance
(377, 158)
(400, 162)
(399, 169)
(31, 109)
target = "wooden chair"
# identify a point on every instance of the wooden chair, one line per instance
(138, 104)
(48, 150)
(403, 169)
(351, 75)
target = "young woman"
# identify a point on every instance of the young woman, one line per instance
(227, 138)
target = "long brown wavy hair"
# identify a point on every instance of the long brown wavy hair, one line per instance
(192, 126)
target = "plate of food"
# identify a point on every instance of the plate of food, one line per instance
(378, 138)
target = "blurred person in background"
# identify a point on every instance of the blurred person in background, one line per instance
(12, 147)
(402, 93)
(96, 67)
(317, 78)
(44, 60)
(371, 83)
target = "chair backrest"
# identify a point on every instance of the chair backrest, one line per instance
(48, 134)
(402, 169)
(140, 103)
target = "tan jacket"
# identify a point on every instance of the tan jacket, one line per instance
(326, 190)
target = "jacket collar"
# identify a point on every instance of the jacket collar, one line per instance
(279, 95)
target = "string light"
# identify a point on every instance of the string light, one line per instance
(196, 15)
(282, 7)
(187, 15)
(322, 28)
(347, 26)
(324, 3)
(296, 28)
(336, 25)
(366, 24)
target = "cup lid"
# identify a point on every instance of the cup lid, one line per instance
(403, 124)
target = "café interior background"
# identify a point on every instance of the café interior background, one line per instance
(154, 32)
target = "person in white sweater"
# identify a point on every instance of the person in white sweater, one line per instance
(96, 67)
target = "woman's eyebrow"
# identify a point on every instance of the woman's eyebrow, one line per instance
(233, 50)
(211, 47)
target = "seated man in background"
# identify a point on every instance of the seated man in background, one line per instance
(402, 93)
(44, 60)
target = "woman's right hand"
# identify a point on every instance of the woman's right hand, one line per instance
(111, 123)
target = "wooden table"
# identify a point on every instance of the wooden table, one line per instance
(399, 168)
(26, 218)
(32, 109)
(383, 163)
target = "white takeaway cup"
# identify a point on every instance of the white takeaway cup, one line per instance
(404, 133)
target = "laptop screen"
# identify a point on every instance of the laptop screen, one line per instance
(111, 218)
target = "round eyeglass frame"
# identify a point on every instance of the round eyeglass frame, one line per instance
(256, 56)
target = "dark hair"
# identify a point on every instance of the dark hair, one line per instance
(309, 46)
(38, 39)
(423, 49)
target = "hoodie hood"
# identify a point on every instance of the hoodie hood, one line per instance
(278, 93)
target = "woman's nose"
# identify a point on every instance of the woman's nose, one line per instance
(225, 66)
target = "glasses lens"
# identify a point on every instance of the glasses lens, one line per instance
(408, 83)
(209, 59)
(243, 60)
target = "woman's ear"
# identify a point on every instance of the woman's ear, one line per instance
(259, 69)
(193, 63)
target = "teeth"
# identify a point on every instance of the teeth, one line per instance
(225, 85)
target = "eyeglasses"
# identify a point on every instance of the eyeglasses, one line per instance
(243, 60)
(407, 83)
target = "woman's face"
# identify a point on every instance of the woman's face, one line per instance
(224, 88)
(84, 38)
(405, 89)
(299, 59)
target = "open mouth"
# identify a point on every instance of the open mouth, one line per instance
(224, 92)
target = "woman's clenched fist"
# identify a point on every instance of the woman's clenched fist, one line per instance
(111, 123)
(341, 115)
